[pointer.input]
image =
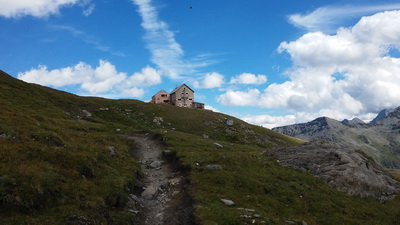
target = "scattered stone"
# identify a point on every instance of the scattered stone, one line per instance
(218, 145)
(229, 122)
(168, 153)
(164, 184)
(113, 151)
(155, 164)
(133, 211)
(4, 136)
(118, 130)
(174, 181)
(227, 202)
(205, 136)
(213, 167)
(86, 113)
(103, 109)
(304, 223)
(245, 216)
(158, 120)
(149, 192)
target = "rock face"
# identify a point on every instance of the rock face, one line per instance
(342, 168)
(379, 138)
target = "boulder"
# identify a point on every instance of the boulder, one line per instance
(150, 192)
(227, 202)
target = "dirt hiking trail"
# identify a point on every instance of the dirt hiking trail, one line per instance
(162, 196)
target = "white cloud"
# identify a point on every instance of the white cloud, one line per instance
(328, 18)
(103, 80)
(147, 77)
(240, 98)
(36, 8)
(209, 107)
(89, 10)
(211, 80)
(249, 78)
(165, 51)
(270, 121)
(350, 73)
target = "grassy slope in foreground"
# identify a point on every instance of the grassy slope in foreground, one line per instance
(57, 141)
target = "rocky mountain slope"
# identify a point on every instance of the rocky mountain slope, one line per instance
(380, 138)
(66, 159)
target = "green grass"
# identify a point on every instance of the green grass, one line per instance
(55, 164)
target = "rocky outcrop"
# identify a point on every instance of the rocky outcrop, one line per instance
(379, 138)
(345, 169)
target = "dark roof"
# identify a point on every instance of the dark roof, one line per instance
(180, 87)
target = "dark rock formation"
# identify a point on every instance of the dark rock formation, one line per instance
(345, 169)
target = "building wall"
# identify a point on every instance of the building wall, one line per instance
(182, 97)
(162, 97)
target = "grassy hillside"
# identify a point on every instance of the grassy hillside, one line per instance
(64, 160)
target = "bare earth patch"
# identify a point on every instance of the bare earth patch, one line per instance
(163, 197)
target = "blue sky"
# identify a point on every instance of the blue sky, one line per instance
(270, 63)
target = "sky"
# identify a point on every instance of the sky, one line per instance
(270, 63)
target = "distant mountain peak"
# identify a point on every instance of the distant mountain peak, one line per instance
(354, 122)
(383, 114)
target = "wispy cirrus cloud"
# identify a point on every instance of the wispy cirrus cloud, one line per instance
(40, 8)
(166, 52)
(327, 19)
(89, 39)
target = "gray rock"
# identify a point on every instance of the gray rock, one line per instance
(113, 151)
(150, 192)
(341, 167)
(155, 164)
(229, 122)
(205, 136)
(86, 113)
(218, 145)
(168, 153)
(158, 120)
(227, 202)
(213, 167)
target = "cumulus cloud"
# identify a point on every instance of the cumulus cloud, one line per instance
(328, 18)
(104, 79)
(165, 51)
(350, 73)
(38, 8)
(249, 78)
(210, 80)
